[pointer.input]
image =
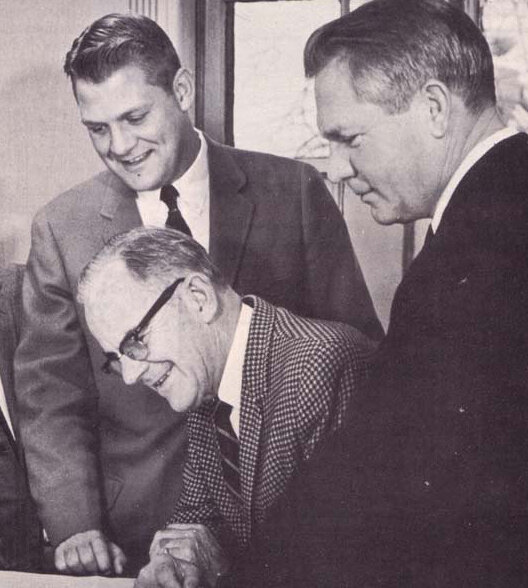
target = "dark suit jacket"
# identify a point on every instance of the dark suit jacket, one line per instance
(298, 380)
(20, 545)
(101, 454)
(428, 483)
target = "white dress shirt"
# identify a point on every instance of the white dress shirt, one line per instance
(468, 162)
(230, 389)
(5, 411)
(193, 202)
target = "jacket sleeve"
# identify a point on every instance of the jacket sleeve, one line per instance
(56, 395)
(195, 504)
(335, 286)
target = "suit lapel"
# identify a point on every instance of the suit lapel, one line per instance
(249, 452)
(230, 210)
(254, 387)
(119, 209)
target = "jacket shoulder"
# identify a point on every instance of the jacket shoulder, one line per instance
(310, 333)
(253, 163)
(81, 199)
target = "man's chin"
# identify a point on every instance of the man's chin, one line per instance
(382, 218)
(139, 181)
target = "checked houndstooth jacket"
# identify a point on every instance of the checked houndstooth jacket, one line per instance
(298, 379)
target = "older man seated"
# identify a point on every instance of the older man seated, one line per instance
(263, 387)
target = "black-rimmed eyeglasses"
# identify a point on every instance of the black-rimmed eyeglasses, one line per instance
(132, 345)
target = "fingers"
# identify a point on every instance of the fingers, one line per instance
(191, 576)
(88, 559)
(118, 558)
(60, 562)
(101, 554)
(88, 553)
(182, 549)
(73, 563)
(161, 572)
(168, 575)
(175, 532)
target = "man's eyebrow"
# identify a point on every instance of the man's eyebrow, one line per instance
(338, 136)
(122, 116)
(135, 110)
(86, 122)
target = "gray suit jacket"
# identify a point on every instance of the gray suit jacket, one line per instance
(102, 455)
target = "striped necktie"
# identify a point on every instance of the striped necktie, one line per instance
(229, 448)
(169, 195)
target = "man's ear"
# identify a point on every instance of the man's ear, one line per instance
(200, 297)
(183, 88)
(437, 100)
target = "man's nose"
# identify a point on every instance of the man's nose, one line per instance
(132, 370)
(340, 166)
(122, 141)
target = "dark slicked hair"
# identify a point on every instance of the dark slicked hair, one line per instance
(117, 40)
(152, 255)
(392, 47)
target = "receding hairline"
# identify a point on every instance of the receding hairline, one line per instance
(143, 252)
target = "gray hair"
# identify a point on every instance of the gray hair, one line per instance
(392, 47)
(151, 254)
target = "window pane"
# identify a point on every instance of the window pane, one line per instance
(505, 25)
(274, 109)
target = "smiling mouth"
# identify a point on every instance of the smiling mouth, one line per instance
(159, 383)
(135, 161)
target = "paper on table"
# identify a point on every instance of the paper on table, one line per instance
(23, 580)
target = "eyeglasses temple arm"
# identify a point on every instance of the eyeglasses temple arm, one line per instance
(164, 297)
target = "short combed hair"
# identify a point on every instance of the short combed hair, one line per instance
(392, 47)
(118, 40)
(152, 255)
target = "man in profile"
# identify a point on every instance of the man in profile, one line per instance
(426, 485)
(105, 461)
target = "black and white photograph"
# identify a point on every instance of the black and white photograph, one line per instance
(264, 293)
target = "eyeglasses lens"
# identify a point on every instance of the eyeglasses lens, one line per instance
(112, 365)
(135, 349)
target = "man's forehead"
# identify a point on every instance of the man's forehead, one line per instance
(116, 296)
(339, 111)
(116, 303)
(127, 73)
(125, 89)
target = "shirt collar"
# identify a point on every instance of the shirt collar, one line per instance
(230, 389)
(196, 174)
(468, 162)
(191, 184)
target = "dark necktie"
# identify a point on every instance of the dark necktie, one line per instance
(229, 448)
(175, 220)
